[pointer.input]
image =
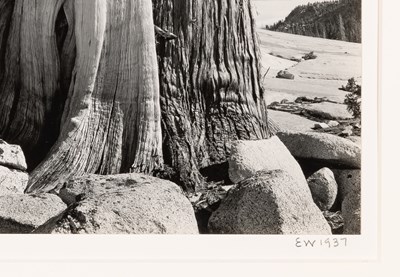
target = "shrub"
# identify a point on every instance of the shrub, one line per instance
(353, 98)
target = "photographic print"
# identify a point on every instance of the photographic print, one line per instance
(213, 117)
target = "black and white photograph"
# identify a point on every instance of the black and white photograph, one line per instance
(197, 121)
(180, 117)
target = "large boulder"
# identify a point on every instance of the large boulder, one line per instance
(351, 210)
(24, 213)
(327, 148)
(347, 180)
(248, 157)
(271, 202)
(124, 204)
(290, 122)
(323, 188)
(328, 110)
(12, 181)
(12, 156)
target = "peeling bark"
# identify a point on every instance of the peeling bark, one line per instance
(210, 84)
(111, 121)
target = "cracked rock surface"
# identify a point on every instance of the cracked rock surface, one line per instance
(124, 204)
(25, 213)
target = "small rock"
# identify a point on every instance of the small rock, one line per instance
(228, 187)
(333, 123)
(24, 213)
(335, 220)
(320, 99)
(248, 157)
(11, 156)
(323, 188)
(283, 74)
(124, 204)
(271, 202)
(12, 181)
(348, 131)
(310, 56)
(320, 126)
(326, 148)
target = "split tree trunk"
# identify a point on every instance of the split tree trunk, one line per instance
(111, 120)
(210, 85)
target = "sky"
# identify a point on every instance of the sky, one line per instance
(271, 11)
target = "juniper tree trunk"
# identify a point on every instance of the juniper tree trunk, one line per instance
(30, 71)
(210, 85)
(108, 67)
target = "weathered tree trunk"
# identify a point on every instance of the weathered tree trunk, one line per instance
(79, 84)
(111, 120)
(29, 84)
(210, 84)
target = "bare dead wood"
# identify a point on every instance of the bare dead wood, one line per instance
(111, 122)
(166, 35)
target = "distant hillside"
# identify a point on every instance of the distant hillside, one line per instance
(340, 20)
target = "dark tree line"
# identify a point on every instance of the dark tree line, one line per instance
(339, 20)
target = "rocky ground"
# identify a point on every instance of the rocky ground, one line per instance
(293, 183)
(304, 180)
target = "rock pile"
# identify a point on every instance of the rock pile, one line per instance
(269, 194)
(92, 204)
(343, 157)
(272, 196)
